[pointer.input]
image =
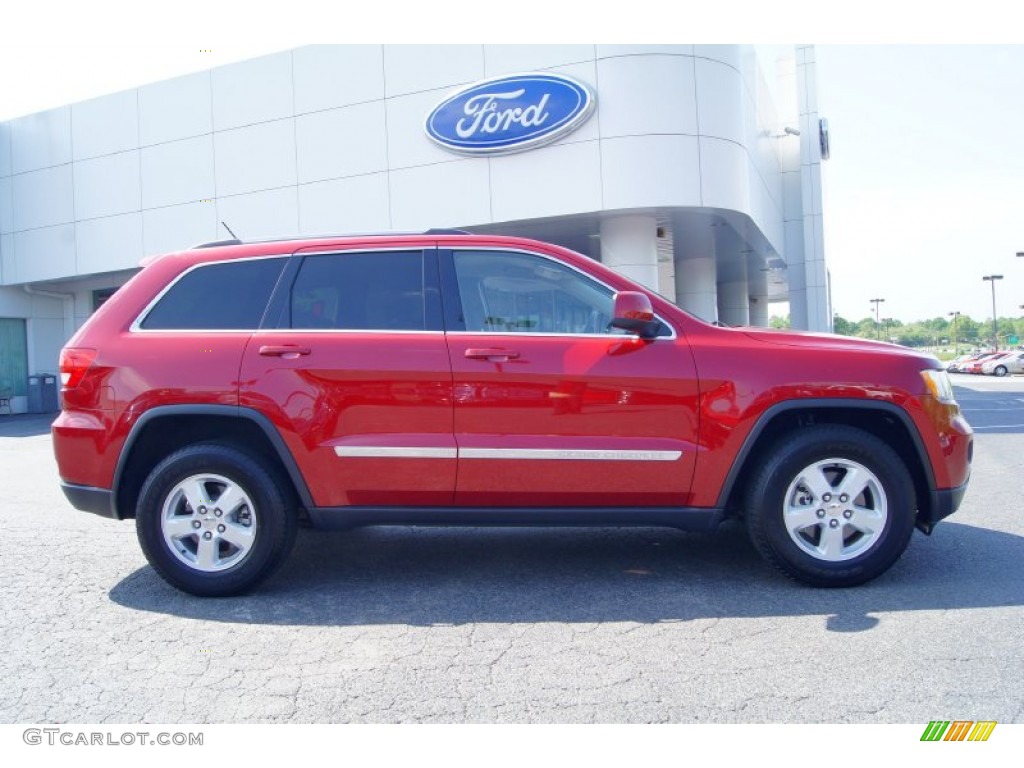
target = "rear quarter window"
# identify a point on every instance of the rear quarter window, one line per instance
(227, 296)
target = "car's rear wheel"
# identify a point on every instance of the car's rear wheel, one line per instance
(213, 522)
(832, 506)
(1001, 370)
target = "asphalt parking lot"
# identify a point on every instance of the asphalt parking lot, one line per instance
(515, 625)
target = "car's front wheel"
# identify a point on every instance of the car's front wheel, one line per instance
(1001, 370)
(832, 506)
(212, 521)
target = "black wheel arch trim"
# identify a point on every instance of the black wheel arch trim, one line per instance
(231, 411)
(817, 404)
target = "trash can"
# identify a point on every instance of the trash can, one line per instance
(35, 394)
(42, 393)
(49, 393)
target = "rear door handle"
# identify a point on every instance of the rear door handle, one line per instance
(494, 355)
(284, 351)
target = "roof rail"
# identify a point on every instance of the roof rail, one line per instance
(217, 243)
(235, 241)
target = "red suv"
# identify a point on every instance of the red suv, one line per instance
(231, 392)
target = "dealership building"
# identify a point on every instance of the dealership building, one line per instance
(693, 169)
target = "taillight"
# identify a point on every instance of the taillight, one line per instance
(73, 365)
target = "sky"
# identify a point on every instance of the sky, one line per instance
(922, 193)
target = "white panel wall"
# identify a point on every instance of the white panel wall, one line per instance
(177, 227)
(440, 196)
(336, 143)
(43, 198)
(414, 68)
(358, 204)
(107, 185)
(272, 213)
(726, 182)
(330, 76)
(650, 171)
(512, 59)
(254, 91)
(6, 205)
(175, 109)
(330, 138)
(532, 184)
(722, 117)
(113, 242)
(177, 172)
(42, 140)
(5, 150)
(41, 253)
(647, 95)
(256, 158)
(105, 125)
(606, 51)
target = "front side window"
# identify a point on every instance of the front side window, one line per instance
(225, 296)
(518, 293)
(382, 291)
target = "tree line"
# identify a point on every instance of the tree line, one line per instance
(936, 332)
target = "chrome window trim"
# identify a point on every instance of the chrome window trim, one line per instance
(624, 336)
(574, 268)
(294, 331)
(136, 326)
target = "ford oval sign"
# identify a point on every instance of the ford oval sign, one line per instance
(510, 114)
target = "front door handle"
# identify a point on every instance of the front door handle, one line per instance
(494, 355)
(284, 351)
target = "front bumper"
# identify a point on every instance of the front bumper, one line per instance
(945, 501)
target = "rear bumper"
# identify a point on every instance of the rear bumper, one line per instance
(99, 501)
(945, 501)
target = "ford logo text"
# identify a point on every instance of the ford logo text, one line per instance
(510, 114)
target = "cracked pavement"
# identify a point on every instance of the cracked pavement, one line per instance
(511, 625)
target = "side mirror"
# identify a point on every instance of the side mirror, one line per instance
(633, 312)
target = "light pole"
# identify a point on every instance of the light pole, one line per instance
(887, 320)
(956, 349)
(878, 329)
(995, 327)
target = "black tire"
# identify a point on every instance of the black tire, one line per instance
(262, 519)
(813, 540)
(1000, 370)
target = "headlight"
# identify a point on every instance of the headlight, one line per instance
(938, 384)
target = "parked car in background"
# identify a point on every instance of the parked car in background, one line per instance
(974, 366)
(1009, 362)
(956, 364)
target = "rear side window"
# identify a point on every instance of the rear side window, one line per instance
(229, 296)
(382, 291)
